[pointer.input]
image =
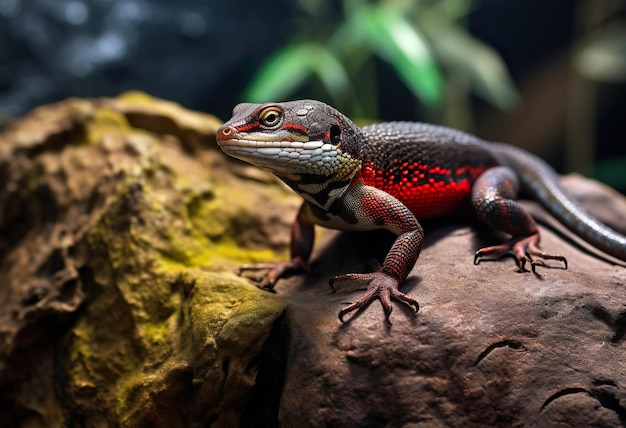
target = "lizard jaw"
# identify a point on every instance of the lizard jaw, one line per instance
(283, 157)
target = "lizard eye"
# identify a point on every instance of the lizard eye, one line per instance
(270, 116)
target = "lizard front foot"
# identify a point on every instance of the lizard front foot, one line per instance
(524, 249)
(381, 286)
(275, 271)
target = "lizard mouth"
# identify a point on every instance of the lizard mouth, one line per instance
(295, 156)
(277, 148)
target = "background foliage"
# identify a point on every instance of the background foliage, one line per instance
(425, 42)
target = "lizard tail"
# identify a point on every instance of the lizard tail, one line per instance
(542, 182)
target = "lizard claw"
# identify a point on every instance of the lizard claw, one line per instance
(524, 249)
(275, 271)
(381, 286)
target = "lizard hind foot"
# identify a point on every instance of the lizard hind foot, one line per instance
(524, 249)
(381, 286)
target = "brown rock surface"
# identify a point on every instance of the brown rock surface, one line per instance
(119, 305)
(490, 346)
(119, 232)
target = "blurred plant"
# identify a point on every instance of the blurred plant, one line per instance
(424, 41)
(599, 59)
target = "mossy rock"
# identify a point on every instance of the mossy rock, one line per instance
(118, 246)
(121, 225)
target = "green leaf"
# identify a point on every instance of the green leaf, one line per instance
(487, 73)
(331, 72)
(281, 74)
(290, 67)
(603, 57)
(394, 39)
(441, 12)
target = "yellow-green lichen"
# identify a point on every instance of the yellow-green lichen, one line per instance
(106, 123)
(202, 123)
(164, 248)
(221, 315)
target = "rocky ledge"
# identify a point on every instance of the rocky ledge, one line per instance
(121, 225)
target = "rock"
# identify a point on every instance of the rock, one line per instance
(121, 225)
(119, 305)
(489, 346)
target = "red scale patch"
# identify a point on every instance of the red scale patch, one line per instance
(427, 191)
(249, 127)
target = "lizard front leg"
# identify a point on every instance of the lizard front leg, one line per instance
(377, 209)
(493, 197)
(302, 237)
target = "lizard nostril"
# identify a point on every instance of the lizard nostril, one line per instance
(226, 132)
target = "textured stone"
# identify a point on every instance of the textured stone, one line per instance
(489, 346)
(120, 307)
(121, 226)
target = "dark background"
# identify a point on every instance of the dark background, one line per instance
(202, 54)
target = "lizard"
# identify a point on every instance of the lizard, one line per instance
(390, 176)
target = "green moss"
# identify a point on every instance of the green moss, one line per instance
(106, 123)
(136, 97)
(164, 253)
(221, 315)
(196, 251)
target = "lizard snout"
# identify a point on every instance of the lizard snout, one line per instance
(226, 133)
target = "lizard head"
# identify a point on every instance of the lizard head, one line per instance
(291, 138)
(309, 145)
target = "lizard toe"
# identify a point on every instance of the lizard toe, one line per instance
(380, 286)
(524, 249)
(272, 271)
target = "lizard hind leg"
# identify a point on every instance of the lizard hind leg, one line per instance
(493, 199)
(302, 237)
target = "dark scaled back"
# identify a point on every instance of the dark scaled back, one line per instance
(428, 168)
